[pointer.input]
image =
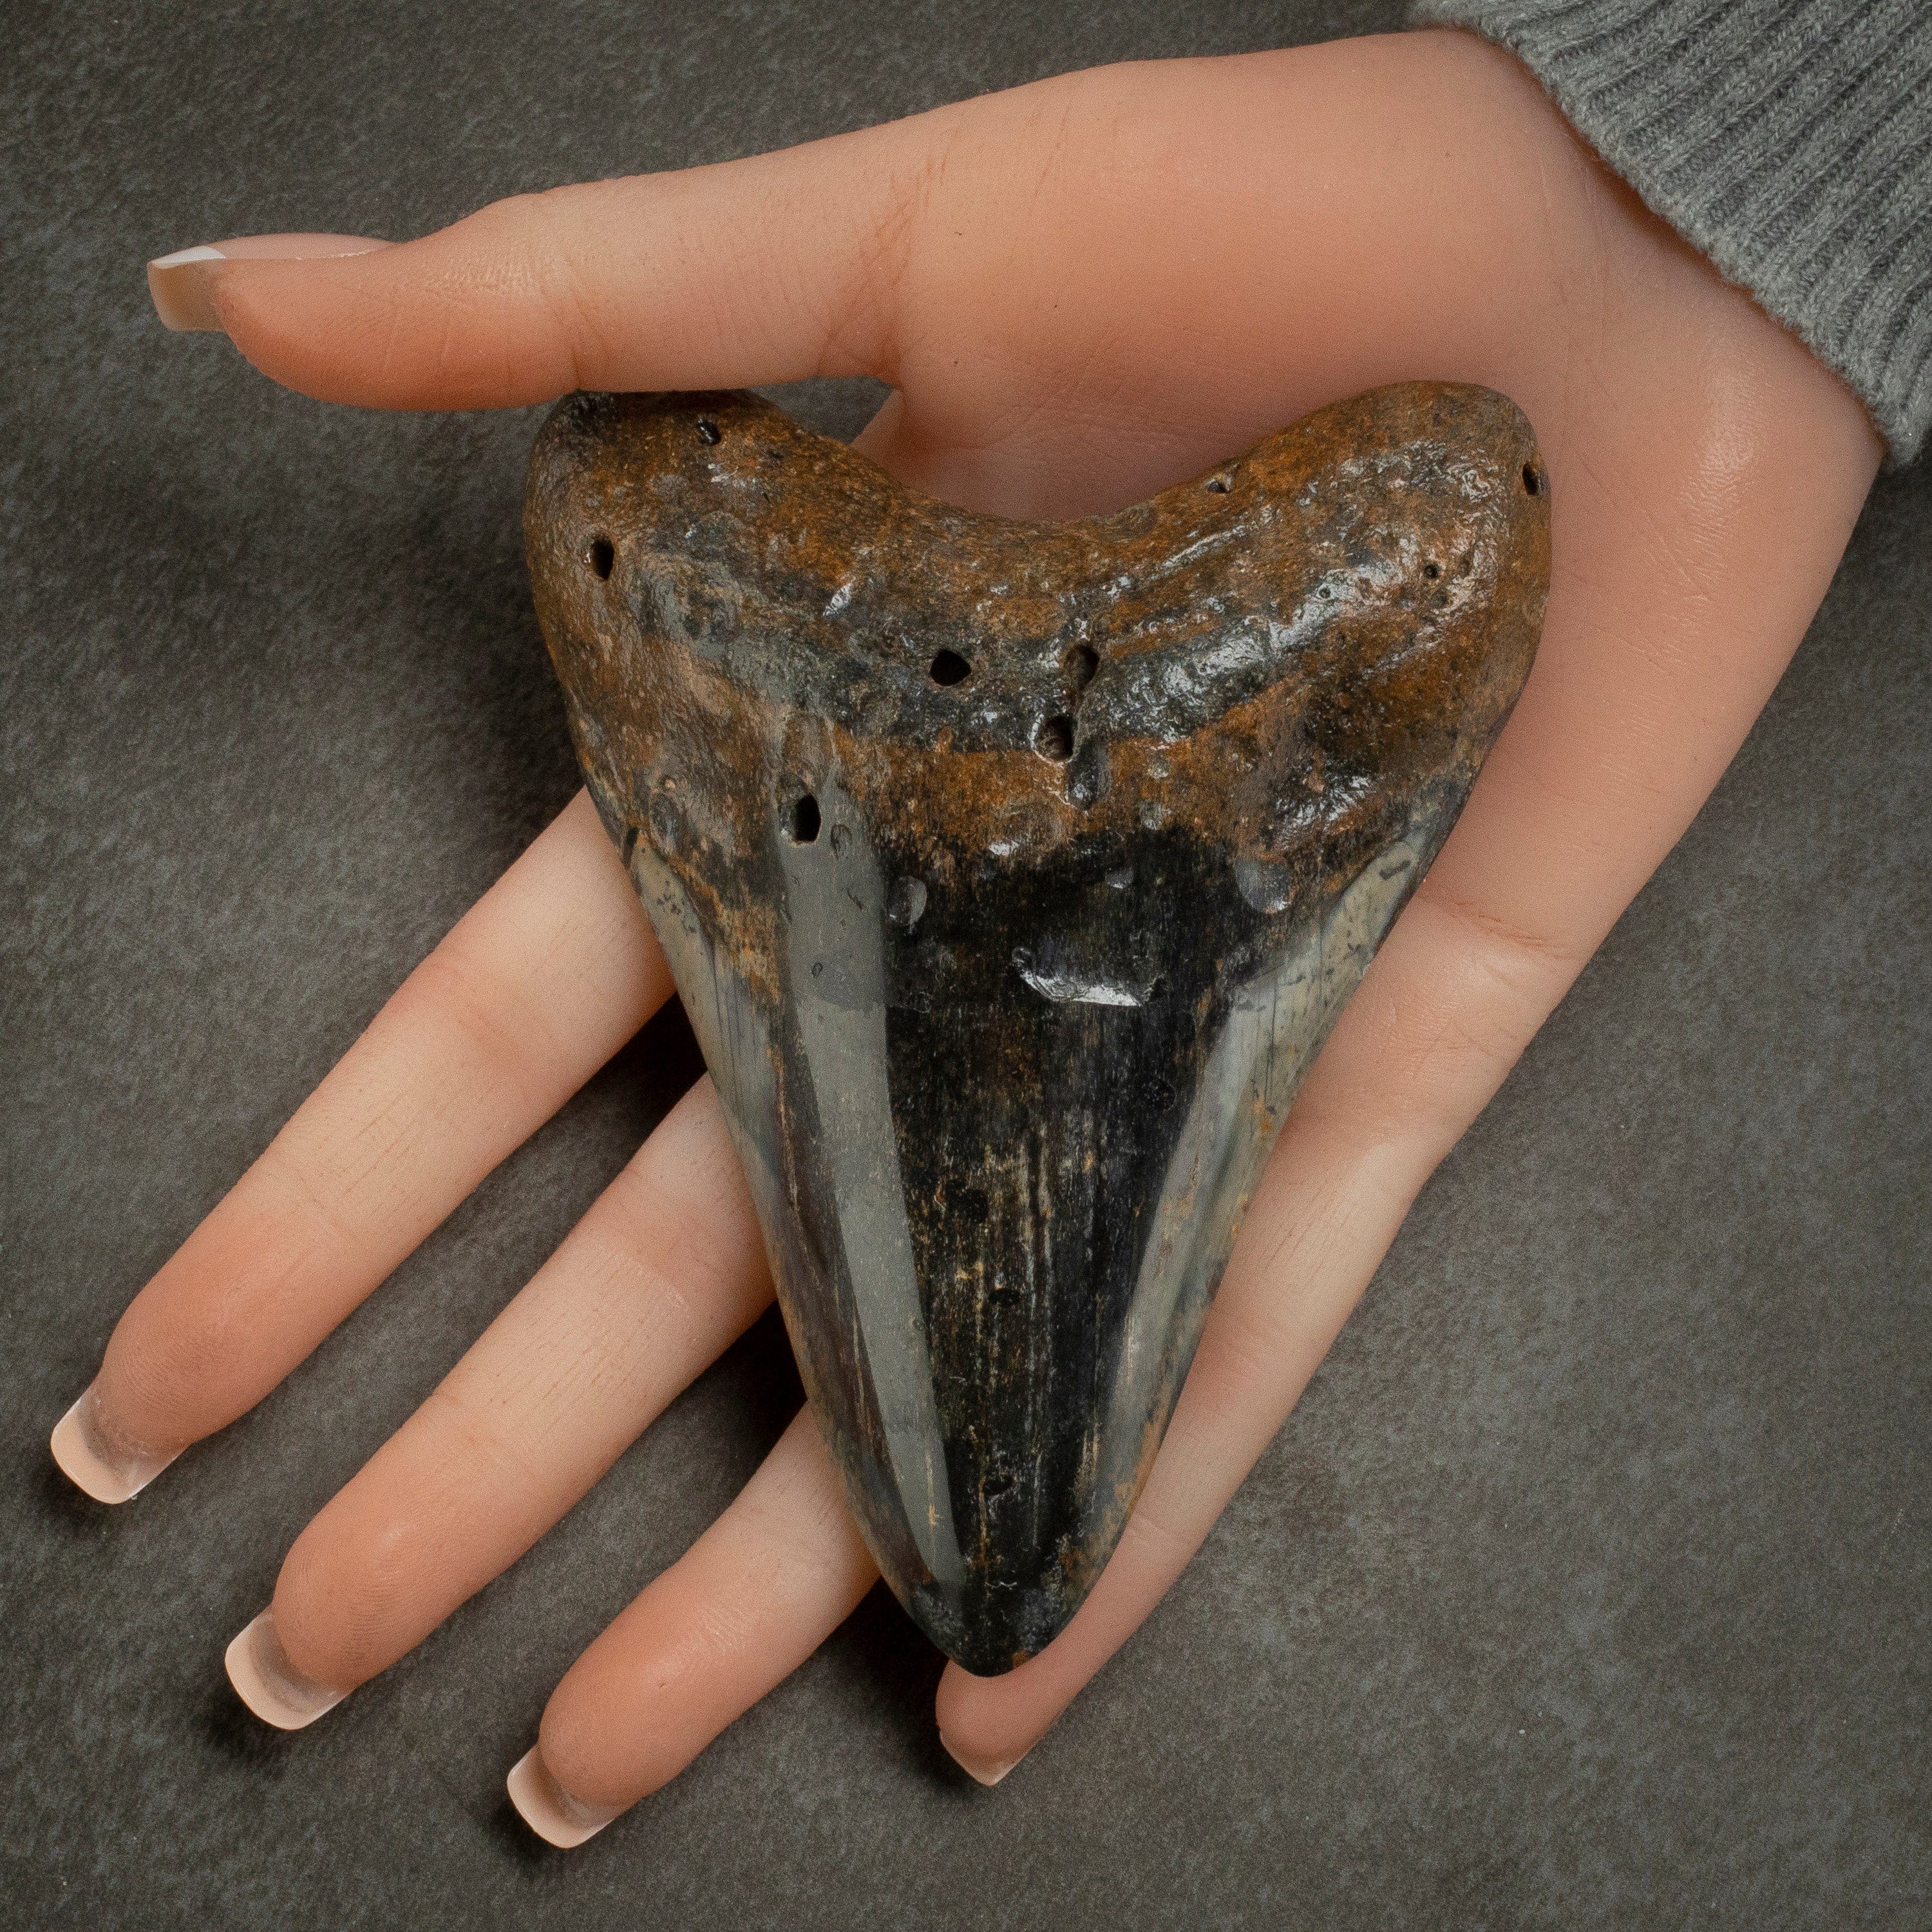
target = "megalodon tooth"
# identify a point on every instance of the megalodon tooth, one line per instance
(1012, 874)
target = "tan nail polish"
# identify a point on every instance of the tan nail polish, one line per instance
(548, 1809)
(269, 1684)
(94, 1460)
(987, 1770)
(182, 284)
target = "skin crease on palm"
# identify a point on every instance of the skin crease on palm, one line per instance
(1080, 292)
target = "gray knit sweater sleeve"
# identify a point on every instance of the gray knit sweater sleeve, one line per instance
(1790, 141)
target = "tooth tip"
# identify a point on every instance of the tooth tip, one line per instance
(88, 1462)
(269, 1684)
(550, 1810)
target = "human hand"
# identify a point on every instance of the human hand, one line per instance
(1080, 291)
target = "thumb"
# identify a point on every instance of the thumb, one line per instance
(182, 284)
(764, 270)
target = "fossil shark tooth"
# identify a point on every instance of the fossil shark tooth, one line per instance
(1012, 874)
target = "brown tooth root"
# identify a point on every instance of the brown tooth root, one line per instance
(1012, 874)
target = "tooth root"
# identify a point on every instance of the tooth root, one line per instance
(1012, 875)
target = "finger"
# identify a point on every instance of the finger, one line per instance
(1026, 268)
(1638, 701)
(546, 976)
(662, 1274)
(749, 1603)
(756, 270)
(182, 285)
(988, 256)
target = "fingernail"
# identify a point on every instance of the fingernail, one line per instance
(269, 1684)
(987, 1770)
(94, 1459)
(548, 1809)
(182, 284)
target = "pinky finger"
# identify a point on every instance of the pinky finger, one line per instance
(757, 1593)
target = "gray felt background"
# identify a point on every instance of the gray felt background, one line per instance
(1589, 1585)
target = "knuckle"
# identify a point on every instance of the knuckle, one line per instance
(1518, 954)
(799, 1525)
(1454, 1024)
(1152, 1544)
(498, 1027)
(789, 1530)
(1240, 1352)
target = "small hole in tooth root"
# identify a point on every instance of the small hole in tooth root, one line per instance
(708, 431)
(802, 828)
(1432, 570)
(1531, 481)
(1054, 740)
(603, 555)
(1082, 662)
(1218, 485)
(948, 668)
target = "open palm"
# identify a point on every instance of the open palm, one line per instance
(1079, 292)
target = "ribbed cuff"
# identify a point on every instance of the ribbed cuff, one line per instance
(1788, 141)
